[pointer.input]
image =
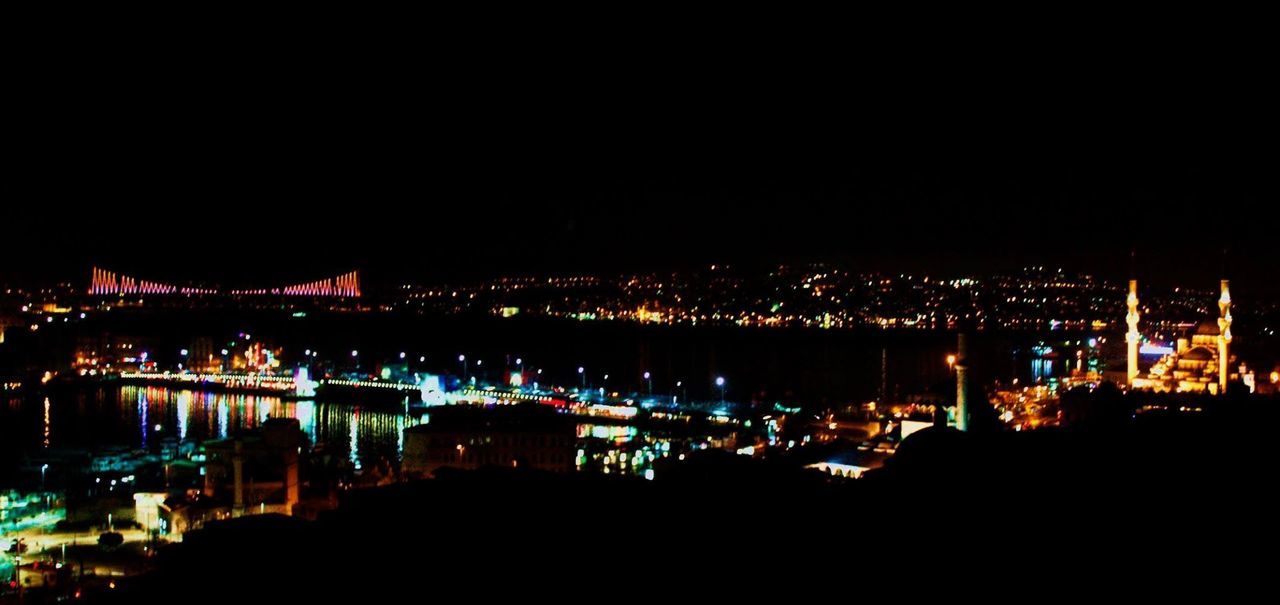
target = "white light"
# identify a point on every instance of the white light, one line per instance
(581, 369)
(719, 381)
(646, 375)
(519, 361)
(462, 358)
(355, 353)
(401, 354)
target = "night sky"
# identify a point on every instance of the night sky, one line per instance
(256, 165)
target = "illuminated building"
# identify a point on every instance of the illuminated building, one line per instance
(1201, 361)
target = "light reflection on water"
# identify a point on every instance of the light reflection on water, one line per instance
(143, 417)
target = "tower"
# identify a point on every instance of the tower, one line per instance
(962, 383)
(1133, 337)
(1224, 336)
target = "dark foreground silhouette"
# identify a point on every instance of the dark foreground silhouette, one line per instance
(1143, 501)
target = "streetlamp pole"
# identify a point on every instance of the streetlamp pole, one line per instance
(720, 383)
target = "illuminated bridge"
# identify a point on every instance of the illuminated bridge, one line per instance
(110, 283)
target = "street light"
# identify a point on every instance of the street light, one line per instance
(720, 383)
(401, 354)
(951, 362)
(43, 468)
(582, 372)
(648, 379)
(462, 359)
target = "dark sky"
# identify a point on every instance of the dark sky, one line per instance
(267, 160)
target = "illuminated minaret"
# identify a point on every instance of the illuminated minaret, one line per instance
(962, 383)
(1133, 338)
(1224, 336)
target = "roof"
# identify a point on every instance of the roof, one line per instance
(1198, 354)
(499, 419)
(1208, 327)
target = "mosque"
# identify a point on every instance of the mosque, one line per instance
(1201, 363)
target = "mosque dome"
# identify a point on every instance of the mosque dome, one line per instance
(1198, 354)
(1207, 328)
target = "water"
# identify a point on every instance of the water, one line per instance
(122, 419)
(101, 420)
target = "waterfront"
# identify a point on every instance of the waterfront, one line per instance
(112, 425)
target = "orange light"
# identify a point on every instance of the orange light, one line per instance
(951, 360)
(1275, 378)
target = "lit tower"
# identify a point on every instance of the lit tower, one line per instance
(962, 383)
(1133, 338)
(1224, 336)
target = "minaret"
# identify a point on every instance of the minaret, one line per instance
(962, 383)
(1224, 336)
(1133, 337)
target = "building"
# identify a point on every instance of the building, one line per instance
(521, 436)
(257, 473)
(1201, 363)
